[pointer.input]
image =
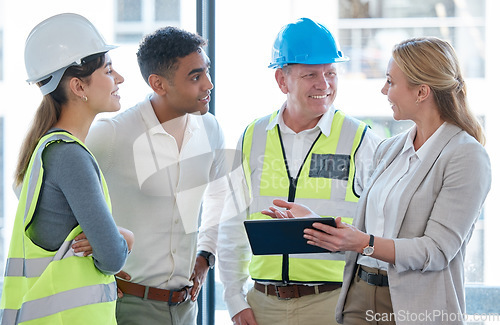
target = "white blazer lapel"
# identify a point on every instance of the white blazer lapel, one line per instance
(446, 135)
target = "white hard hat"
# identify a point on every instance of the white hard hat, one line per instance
(58, 43)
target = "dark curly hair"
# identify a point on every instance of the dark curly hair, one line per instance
(159, 52)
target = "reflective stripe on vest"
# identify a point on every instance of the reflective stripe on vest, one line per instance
(47, 287)
(325, 183)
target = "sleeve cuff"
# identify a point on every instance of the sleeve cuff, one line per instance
(236, 304)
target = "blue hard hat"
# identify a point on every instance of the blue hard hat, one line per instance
(305, 42)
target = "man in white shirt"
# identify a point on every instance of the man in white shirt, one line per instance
(306, 152)
(162, 159)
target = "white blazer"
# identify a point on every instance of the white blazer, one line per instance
(436, 217)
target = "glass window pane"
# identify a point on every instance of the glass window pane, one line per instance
(409, 8)
(370, 48)
(129, 10)
(1, 54)
(167, 10)
(128, 37)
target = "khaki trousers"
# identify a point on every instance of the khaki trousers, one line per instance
(368, 304)
(132, 310)
(317, 309)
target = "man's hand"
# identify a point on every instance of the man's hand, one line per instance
(244, 317)
(124, 275)
(293, 210)
(198, 277)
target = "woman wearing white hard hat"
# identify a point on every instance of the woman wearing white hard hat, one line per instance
(65, 245)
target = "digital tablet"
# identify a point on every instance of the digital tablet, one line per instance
(282, 236)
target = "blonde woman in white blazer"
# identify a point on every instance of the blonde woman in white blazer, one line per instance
(406, 248)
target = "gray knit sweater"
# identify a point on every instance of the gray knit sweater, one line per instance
(71, 194)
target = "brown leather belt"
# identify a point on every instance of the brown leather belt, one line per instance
(173, 298)
(294, 290)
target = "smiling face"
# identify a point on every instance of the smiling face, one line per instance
(102, 88)
(188, 91)
(310, 88)
(400, 93)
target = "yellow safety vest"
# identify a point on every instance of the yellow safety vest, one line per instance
(325, 183)
(47, 287)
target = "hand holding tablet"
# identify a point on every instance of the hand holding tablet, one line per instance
(283, 236)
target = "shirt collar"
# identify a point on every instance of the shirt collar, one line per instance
(153, 125)
(324, 124)
(149, 117)
(409, 139)
(423, 151)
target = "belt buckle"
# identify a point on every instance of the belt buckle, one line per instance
(170, 303)
(373, 279)
(276, 288)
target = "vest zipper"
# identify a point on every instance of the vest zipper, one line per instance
(292, 190)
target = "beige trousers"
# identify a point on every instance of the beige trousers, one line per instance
(132, 310)
(307, 310)
(368, 304)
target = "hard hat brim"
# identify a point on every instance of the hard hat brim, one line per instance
(276, 65)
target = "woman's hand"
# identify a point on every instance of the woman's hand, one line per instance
(293, 210)
(82, 245)
(344, 237)
(129, 237)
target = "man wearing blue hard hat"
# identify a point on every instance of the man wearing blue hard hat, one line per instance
(308, 152)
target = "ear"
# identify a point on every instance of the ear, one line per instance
(424, 91)
(77, 87)
(158, 83)
(281, 80)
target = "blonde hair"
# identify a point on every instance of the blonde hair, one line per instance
(432, 61)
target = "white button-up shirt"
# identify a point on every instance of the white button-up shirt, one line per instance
(157, 190)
